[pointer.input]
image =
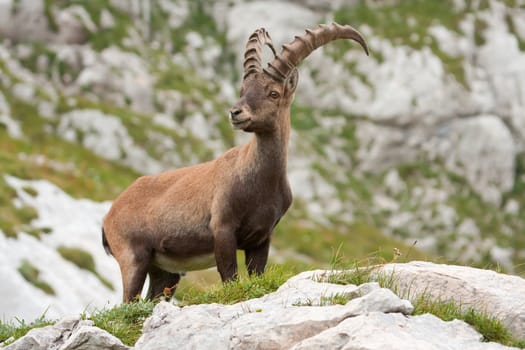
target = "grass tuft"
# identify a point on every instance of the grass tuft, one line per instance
(246, 287)
(11, 331)
(124, 321)
(492, 328)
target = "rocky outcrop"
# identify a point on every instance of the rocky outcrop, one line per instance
(301, 314)
(70, 333)
(378, 331)
(499, 295)
(36, 20)
(307, 312)
(277, 320)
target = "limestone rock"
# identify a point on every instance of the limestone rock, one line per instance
(107, 136)
(374, 319)
(68, 334)
(27, 20)
(481, 137)
(375, 331)
(274, 16)
(497, 294)
(277, 320)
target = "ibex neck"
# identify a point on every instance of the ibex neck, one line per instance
(268, 152)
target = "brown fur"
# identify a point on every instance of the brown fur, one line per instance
(165, 224)
(230, 203)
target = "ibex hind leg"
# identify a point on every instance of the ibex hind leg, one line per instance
(161, 283)
(134, 268)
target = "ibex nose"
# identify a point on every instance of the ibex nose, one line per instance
(234, 112)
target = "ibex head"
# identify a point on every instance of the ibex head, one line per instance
(267, 93)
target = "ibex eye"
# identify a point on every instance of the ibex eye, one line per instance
(274, 94)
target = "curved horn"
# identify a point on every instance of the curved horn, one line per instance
(295, 52)
(254, 46)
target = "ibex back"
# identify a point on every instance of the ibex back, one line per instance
(197, 217)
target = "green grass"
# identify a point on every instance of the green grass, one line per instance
(13, 219)
(359, 239)
(123, 321)
(18, 328)
(326, 300)
(233, 292)
(492, 329)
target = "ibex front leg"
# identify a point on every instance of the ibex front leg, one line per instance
(256, 258)
(225, 252)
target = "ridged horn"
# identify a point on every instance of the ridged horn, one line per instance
(253, 53)
(295, 52)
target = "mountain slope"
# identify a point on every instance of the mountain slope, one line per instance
(422, 141)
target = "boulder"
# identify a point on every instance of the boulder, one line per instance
(293, 318)
(108, 137)
(275, 321)
(481, 148)
(498, 294)
(70, 333)
(32, 20)
(378, 330)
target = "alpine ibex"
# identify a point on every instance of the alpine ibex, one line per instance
(197, 217)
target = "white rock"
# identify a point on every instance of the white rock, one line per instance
(378, 331)
(178, 11)
(24, 92)
(117, 76)
(482, 148)
(469, 228)
(497, 294)
(194, 39)
(374, 319)
(77, 13)
(503, 257)
(106, 19)
(382, 147)
(70, 333)
(198, 125)
(244, 18)
(512, 207)
(393, 182)
(518, 18)
(449, 41)
(382, 202)
(13, 126)
(30, 22)
(273, 321)
(106, 136)
(88, 337)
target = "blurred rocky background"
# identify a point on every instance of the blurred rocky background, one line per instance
(419, 147)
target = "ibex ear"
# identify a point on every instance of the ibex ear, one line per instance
(291, 82)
